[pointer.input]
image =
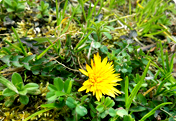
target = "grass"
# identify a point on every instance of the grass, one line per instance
(65, 39)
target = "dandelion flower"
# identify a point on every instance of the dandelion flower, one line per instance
(102, 78)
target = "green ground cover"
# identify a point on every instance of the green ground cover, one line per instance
(76, 60)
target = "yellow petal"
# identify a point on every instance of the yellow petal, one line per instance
(82, 88)
(83, 71)
(89, 70)
(98, 95)
(117, 91)
(92, 64)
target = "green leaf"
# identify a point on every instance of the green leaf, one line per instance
(31, 86)
(124, 70)
(15, 61)
(40, 61)
(81, 110)
(112, 112)
(100, 108)
(60, 93)
(92, 107)
(8, 92)
(22, 92)
(128, 118)
(21, 7)
(104, 114)
(6, 59)
(107, 35)
(104, 49)
(137, 109)
(8, 84)
(68, 85)
(142, 99)
(26, 61)
(50, 105)
(96, 45)
(103, 99)
(34, 92)
(98, 103)
(39, 15)
(10, 101)
(70, 102)
(8, 3)
(24, 99)
(153, 111)
(17, 81)
(59, 84)
(10, 10)
(172, 119)
(36, 69)
(130, 49)
(110, 27)
(52, 87)
(84, 98)
(121, 112)
(109, 102)
(51, 96)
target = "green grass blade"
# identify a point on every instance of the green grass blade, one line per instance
(162, 57)
(93, 10)
(21, 44)
(16, 47)
(37, 113)
(57, 12)
(130, 7)
(82, 41)
(172, 63)
(126, 91)
(168, 75)
(6, 50)
(56, 49)
(153, 111)
(3, 67)
(65, 6)
(82, 6)
(156, 75)
(155, 65)
(154, 33)
(137, 87)
(167, 62)
(101, 6)
(70, 19)
(41, 54)
(111, 4)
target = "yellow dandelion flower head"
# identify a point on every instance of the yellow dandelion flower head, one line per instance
(102, 78)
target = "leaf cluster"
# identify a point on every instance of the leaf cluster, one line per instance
(43, 8)
(17, 88)
(15, 6)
